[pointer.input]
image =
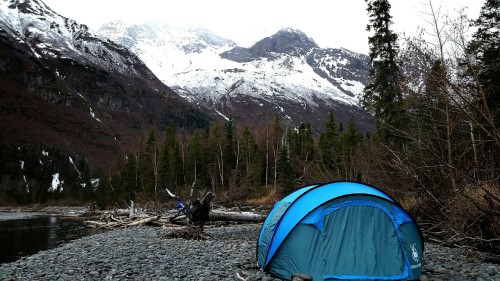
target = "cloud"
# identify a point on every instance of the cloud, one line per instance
(331, 23)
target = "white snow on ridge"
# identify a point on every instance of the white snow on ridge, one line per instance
(49, 33)
(185, 59)
(263, 79)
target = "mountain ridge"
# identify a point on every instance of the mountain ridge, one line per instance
(65, 87)
(277, 76)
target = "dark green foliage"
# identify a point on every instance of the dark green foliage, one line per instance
(350, 142)
(214, 157)
(148, 167)
(383, 95)
(301, 142)
(189, 119)
(106, 189)
(302, 151)
(485, 48)
(28, 173)
(328, 146)
(194, 160)
(129, 179)
(285, 176)
(170, 165)
(229, 153)
(251, 162)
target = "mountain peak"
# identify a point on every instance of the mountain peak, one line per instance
(295, 34)
(286, 41)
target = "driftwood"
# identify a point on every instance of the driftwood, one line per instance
(217, 215)
(196, 212)
(111, 221)
(122, 219)
(144, 221)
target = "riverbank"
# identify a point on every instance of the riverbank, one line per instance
(7, 216)
(37, 210)
(144, 253)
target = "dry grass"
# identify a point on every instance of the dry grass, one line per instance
(268, 197)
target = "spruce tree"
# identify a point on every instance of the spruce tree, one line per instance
(485, 48)
(147, 167)
(129, 175)
(251, 168)
(194, 160)
(350, 141)
(214, 160)
(328, 145)
(382, 95)
(169, 171)
(284, 172)
(229, 150)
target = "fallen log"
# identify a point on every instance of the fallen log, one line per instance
(216, 215)
(144, 221)
(100, 224)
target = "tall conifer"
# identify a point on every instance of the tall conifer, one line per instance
(382, 96)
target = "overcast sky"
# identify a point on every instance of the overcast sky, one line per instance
(331, 23)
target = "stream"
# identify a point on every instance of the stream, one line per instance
(24, 234)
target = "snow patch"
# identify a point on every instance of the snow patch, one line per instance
(95, 182)
(56, 183)
(93, 115)
(223, 116)
(26, 183)
(74, 166)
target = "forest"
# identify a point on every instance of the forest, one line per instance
(436, 147)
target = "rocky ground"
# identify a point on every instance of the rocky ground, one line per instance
(145, 253)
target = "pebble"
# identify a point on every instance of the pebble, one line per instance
(143, 253)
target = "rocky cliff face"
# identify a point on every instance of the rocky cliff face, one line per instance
(62, 86)
(284, 75)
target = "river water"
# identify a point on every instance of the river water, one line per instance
(24, 234)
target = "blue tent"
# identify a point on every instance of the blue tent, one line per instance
(340, 231)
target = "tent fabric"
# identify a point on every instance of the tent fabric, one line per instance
(340, 231)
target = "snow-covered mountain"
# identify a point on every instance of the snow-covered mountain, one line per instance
(52, 35)
(286, 74)
(62, 86)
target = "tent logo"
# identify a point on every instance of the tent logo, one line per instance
(414, 252)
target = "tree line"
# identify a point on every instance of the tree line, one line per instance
(436, 101)
(436, 148)
(238, 163)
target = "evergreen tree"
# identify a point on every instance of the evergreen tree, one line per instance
(86, 186)
(350, 142)
(169, 166)
(301, 150)
(382, 95)
(194, 159)
(328, 146)
(229, 151)
(129, 176)
(485, 48)
(104, 194)
(147, 167)
(215, 161)
(251, 166)
(301, 143)
(277, 141)
(284, 172)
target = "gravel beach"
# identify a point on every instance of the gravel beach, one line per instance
(144, 253)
